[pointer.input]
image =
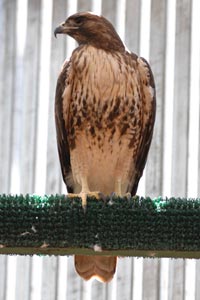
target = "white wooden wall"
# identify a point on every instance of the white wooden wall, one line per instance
(167, 33)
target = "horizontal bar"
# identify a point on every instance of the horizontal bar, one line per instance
(83, 251)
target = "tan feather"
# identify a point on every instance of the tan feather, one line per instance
(100, 267)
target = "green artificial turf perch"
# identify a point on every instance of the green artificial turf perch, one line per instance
(56, 225)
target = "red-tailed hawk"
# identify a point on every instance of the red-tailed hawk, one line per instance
(105, 112)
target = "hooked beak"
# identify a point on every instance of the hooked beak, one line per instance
(58, 30)
(63, 28)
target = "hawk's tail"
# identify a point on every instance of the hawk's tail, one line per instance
(100, 267)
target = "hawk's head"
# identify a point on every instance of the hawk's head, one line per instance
(87, 28)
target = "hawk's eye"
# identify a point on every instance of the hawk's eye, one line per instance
(79, 20)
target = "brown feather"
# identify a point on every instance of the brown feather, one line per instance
(100, 267)
(147, 134)
(62, 141)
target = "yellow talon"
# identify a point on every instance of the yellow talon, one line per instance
(84, 195)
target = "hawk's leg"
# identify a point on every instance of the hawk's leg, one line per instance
(85, 192)
(118, 190)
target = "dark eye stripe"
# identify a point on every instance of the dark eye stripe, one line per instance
(79, 19)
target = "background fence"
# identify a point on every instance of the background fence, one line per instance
(165, 32)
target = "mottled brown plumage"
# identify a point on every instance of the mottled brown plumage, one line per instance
(105, 112)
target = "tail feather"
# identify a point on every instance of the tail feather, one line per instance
(100, 267)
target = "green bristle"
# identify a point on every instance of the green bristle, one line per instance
(138, 226)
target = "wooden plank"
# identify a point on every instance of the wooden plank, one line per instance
(5, 108)
(109, 10)
(84, 5)
(190, 276)
(197, 281)
(199, 153)
(3, 103)
(28, 96)
(132, 26)
(74, 282)
(198, 185)
(49, 278)
(31, 85)
(23, 278)
(198, 262)
(125, 278)
(137, 279)
(96, 6)
(151, 272)
(157, 62)
(49, 264)
(2, 49)
(36, 278)
(180, 125)
(176, 279)
(194, 105)
(62, 278)
(43, 96)
(17, 98)
(7, 58)
(11, 277)
(7, 89)
(151, 268)
(89, 251)
(191, 271)
(3, 268)
(164, 279)
(181, 97)
(99, 291)
(54, 180)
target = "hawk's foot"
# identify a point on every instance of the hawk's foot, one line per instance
(116, 195)
(128, 196)
(84, 195)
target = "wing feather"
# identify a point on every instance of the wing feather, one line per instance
(148, 128)
(62, 141)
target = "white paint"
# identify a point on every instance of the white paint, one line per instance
(87, 292)
(43, 104)
(121, 17)
(144, 52)
(63, 188)
(142, 184)
(11, 278)
(62, 277)
(71, 44)
(42, 127)
(169, 97)
(21, 25)
(194, 103)
(15, 175)
(96, 6)
(137, 279)
(36, 283)
(113, 287)
(164, 279)
(145, 28)
(190, 279)
(194, 121)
